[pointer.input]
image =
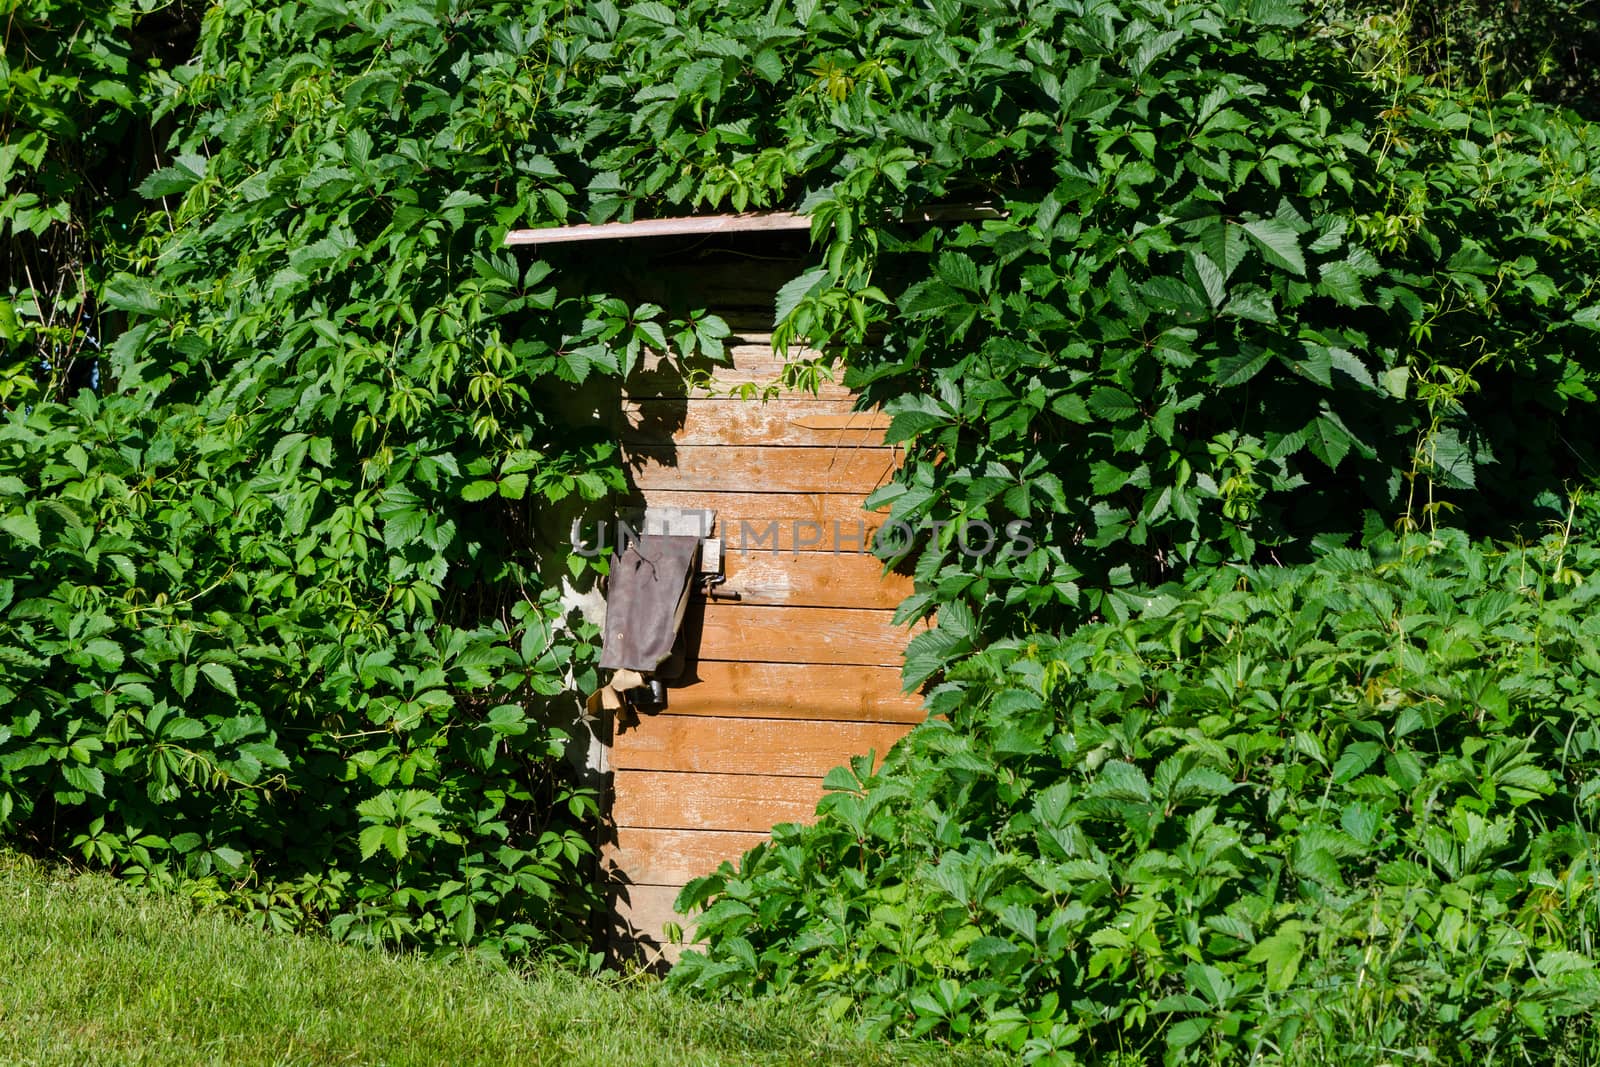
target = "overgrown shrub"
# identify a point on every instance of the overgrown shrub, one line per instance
(1548, 48)
(213, 670)
(74, 142)
(280, 611)
(276, 607)
(1343, 810)
(1241, 293)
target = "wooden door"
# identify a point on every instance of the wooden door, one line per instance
(790, 680)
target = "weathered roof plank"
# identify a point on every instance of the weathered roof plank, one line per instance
(691, 225)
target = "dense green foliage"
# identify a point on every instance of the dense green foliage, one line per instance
(1245, 294)
(1548, 48)
(1242, 291)
(282, 605)
(73, 141)
(178, 705)
(1342, 810)
(262, 625)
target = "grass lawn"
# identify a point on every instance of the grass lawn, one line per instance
(94, 973)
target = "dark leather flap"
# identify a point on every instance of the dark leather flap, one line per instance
(649, 591)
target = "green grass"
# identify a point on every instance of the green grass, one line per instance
(94, 973)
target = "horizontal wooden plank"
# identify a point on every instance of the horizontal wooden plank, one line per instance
(731, 507)
(781, 524)
(670, 800)
(748, 362)
(750, 326)
(671, 857)
(732, 468)
(794, 691)
(745, 222)
(711, 225)
(680, 421)
(748, 352)
(730, 384)
(794, 748)
(641, 912)
(747, 633)
(638, 926)
(814, 579)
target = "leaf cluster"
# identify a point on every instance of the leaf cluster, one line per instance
(287, 598)
(218, 677)
(73, 128)
(1345, 806)
(1239, 294)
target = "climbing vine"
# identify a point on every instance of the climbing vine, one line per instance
(285, 605)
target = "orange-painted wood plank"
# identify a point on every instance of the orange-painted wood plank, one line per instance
(779, 523)
(794, 691)
(751, 633)
(639, 916)
(747, 351)
(815, 580)
(783, 747)
(745, 222)
(729, 384)
(671, 857)
(748, 362)
(733, 468)
(710, 225)
(746, 504)
(646, 907)
(681, 421)
(671, 800)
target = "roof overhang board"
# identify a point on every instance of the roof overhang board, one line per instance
(706, 225)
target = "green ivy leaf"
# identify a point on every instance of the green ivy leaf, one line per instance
(221, 677)
(186, 171)
(1113, 404)
(797, 290)
(1281, 953)
(1278, 242)
(1452, 460)
(1355, 759)
(22, 527)
(88, 779)
(1240, 367)
(1328, 440)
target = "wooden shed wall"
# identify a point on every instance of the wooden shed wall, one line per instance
(789, 681)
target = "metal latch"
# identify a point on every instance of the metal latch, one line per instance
(709, 584)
